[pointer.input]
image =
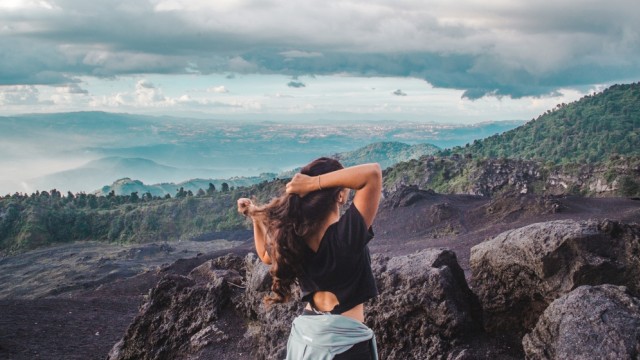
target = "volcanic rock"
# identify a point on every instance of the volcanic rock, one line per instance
(407, 195)
(268, 326)
(520, 272)
(424, 309)
(591, 322)
(179, 317)
(504, 174)
(425, 306)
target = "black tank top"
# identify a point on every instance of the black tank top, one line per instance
(342, 264)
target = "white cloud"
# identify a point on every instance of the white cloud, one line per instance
(280, 96)
(200, 102)
(72, 89)
(19, 95)
(25, 4)
(147, 94)
(169, 5)
(218, 89)
(69, 95)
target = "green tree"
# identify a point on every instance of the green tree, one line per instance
(181, 193)
(92, 201)
(628, 186)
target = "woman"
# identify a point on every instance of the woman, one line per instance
(303, 237)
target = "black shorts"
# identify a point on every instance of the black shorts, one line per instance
(359, 351)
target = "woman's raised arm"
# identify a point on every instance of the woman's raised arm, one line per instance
(366, 179)
(246, 207)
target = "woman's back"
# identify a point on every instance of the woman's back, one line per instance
(340, 267)
(303, 237)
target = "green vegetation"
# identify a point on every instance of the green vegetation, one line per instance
(46, 218)
(587, 131)
(126, 186)
(386, 153)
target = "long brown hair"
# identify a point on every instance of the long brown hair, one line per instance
(290, 220)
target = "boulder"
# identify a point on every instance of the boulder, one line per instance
(406, 196)
(180, 315)
(520, 272)
(268, 326)
(591, 322)
(425, 307)
(425, 311)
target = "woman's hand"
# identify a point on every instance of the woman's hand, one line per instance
(303, 184)
(244, 205)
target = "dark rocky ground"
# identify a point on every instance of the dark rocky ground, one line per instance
(69, 307)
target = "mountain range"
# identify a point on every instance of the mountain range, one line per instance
(385, 153)
(84, 151)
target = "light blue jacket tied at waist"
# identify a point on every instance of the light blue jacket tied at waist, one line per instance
(321, 337)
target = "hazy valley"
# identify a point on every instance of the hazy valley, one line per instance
(87, 150)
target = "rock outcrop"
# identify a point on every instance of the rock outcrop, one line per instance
(407, 195)
(591, 322)
(179, 317)
(504, 174)
(517, 274)
(425, 307)
(466, 175)
(268, 327)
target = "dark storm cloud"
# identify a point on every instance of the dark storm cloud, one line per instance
(493, 48)
(295, 84)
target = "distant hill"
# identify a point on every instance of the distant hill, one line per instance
(92, 174)
(386, 153)
(126, 186)
(589, 130)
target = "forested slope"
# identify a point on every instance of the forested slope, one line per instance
(386, 153)
(589, 130)
(49, 217)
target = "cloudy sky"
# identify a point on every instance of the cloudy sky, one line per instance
(440, 60)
